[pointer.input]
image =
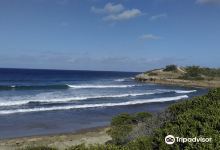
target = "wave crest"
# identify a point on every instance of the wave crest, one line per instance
(184, 92)
(60, 100)
(59, 86)
(136, 102)
(32, 87)
(99, 86)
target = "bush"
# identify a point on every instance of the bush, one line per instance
(120, 134)
(152, 74)
(122, 125)
(193, 71)
(199, 73)
(198, 117)
(122, 119)
(170, 68)
(142, 116)
(141, 143)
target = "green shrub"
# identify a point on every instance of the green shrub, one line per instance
(119, 134)
(152, 74)
(198, 117)
(170, 68)
(141, 143)
(122, 119)
(199, 73)
(193, 71)
(122, 125)
(142, 116)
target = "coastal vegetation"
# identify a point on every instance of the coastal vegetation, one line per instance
(196, 117)
(122, 125)
(199, 73)
(170, 68)
(183, 76)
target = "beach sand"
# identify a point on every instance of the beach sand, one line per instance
(60, 141)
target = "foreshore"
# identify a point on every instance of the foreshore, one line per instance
(96, 135)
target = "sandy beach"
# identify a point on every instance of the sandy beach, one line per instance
(60, 141)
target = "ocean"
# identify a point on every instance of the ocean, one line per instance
(42, 102)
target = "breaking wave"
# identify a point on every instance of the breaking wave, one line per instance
(119, 80)
(32, 87)
(184, 92)
(60, 100)
(61, 86)
(99, 86)
(135, 102)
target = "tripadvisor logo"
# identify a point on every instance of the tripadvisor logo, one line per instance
(170, 139)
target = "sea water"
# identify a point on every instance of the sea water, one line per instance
(38, 102)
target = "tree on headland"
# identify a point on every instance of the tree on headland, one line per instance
(170, 68)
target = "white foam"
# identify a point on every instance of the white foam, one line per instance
(165, 99)
(59, 100)
(177, 91)
(99, 86)
(184, 92)
(120, 80)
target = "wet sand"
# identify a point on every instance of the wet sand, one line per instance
(60, 141)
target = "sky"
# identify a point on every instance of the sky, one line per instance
(120, 35)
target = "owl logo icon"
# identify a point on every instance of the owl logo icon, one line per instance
(169, 139)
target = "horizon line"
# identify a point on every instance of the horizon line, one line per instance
(51, 69)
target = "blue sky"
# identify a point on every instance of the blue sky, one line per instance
(123, 35)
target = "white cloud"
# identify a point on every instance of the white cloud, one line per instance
(116, 12)
(108, 8)
(149, 37)
(125, 15)
(208, 1)
(159, 16)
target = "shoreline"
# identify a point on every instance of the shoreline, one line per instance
(96, 135)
